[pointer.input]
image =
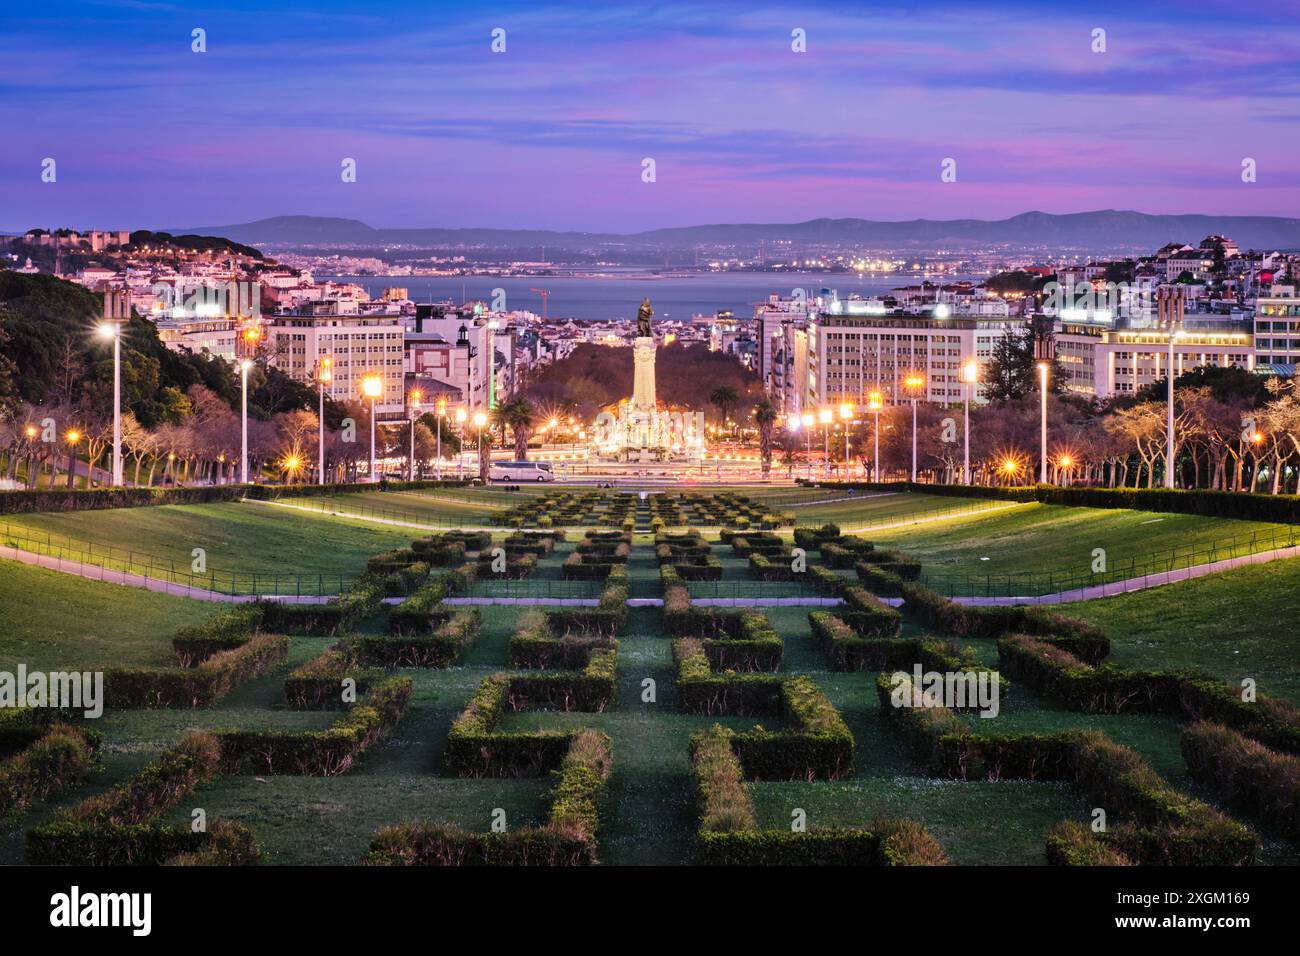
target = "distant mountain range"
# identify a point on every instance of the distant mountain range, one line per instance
(1103, 229)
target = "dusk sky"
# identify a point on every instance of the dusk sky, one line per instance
(552, 133)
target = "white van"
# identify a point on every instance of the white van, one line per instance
(521, 471)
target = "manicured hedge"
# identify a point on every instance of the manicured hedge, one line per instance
(200, 686)
(1150, 822)
(318, 684)
(61, 758)
(226, 631)
(121, 827)
(442, 648)
(475, 748)
(321, 753)
(1243, 772)
(567, 839)
(866, 615)
(1082, 639)
(365, 595)
(536, 644)
(701, 691)
(729, 834)
(424, 611)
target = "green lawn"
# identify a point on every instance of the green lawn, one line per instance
(1233, 625)
(241, 538)
(1036, 548)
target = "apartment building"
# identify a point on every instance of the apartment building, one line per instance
(854, 351)
(1277, 327)
(1101, 361)
(357, 345)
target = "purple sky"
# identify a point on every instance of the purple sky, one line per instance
(551, 134)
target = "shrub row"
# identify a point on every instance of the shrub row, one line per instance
(62, 757)
(321, 753)
(365, 594)
(1158, 824)
(537, 644)
(441, 648)
(424, 611)
(200, 686)
(225, 631)
(1244, 773)
(121, 827)
(729, 833)
(1080, 638)
(567, 839)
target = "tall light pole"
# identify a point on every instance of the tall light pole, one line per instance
(244, 366)
(970, 375)
(442, 410)
(480, 419)
(807, 420)
(846, 416)
(324, 375)
(1170, 305)
(826, 416)
(1042, 453)
(914, 382)
(113, 330)
(372, 386)
(413, 413)
(461, 415)
(875, 401)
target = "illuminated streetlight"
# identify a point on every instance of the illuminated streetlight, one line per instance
(244, 366)
(914, 382)
(846, 414)
(324, 375)
(875, 402)
(442, 410)
(112, 330)
(372, 386)
(413, 413)
(481, 419)
(1042, 454)
(461, 416)
(826, 416)
(807, 419)
(970, 372)
(73, 436)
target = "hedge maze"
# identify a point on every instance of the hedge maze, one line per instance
(640, 723)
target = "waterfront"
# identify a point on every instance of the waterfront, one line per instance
(617, 296)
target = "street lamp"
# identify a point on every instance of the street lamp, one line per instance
(372, 386)
(113, 330)
(480, 419)
(244, 366)
(461, 415)
(1042, 452)
(442, 410)
(73, 437)
(875, 402)
(324, 375)
(1063, 464)
(826, 416)
(970, 372)
(413, 412)
(846, 416)
(914, 382)
(807, 421)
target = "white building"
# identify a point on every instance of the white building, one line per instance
(1277, 326)
(357, 345)
(1100, 361)
(854, 351)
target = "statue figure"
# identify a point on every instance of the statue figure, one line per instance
(643, 319)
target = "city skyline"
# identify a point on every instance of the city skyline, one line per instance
(552, 133)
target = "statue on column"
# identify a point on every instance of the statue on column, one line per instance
(643, 319)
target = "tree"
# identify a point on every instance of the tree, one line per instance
(765, 418)
(724, 397)
(518, 414)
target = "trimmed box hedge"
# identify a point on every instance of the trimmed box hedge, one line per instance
(201, 686)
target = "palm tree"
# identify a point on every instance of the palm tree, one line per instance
(765, 418)
(724, 397)
(518, 414)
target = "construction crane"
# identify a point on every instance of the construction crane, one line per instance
(546, 295)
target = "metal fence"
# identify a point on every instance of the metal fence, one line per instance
(87, 557)
(1040, 583)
